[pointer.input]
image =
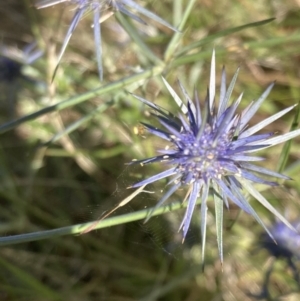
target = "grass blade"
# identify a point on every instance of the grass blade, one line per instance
(75, 100)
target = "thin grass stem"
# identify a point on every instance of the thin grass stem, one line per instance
(79, 228)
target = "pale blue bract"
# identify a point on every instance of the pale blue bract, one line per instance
(98, 7)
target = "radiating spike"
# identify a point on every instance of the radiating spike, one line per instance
(190, 208)
(155, 178)
(212, 81)
(222, 93)
(256, 105)
(177, 99)
(258, 196)
(98, 43)
(254, 129)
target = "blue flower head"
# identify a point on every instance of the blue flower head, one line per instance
(287, 241)
(97, 7)
(10, 69)
(13, 59)
(210, 151)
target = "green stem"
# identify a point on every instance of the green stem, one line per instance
(221, 34)
(193, 58)
(78, 229)
(177, 11)
(178, 35)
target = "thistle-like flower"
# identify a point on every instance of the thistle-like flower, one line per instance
(83, 7)
(210, 150)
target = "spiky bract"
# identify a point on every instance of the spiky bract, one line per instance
(101, 9)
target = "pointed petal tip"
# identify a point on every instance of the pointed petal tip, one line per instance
(148, 217)
(203, 266)
(271, 85)
(136, 185)
(131, 94)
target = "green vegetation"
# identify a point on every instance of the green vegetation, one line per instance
(65, 145)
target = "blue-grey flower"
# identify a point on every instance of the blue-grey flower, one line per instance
(210, 151)
(287, 247)
(97, 7)
(12, 59)
(287, 241)
(9, 69)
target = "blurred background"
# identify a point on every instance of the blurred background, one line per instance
(49, 182)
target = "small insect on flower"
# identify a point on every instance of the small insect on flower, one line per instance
(210, 152)
(83, 7)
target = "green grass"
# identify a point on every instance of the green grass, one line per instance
(63, 154)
